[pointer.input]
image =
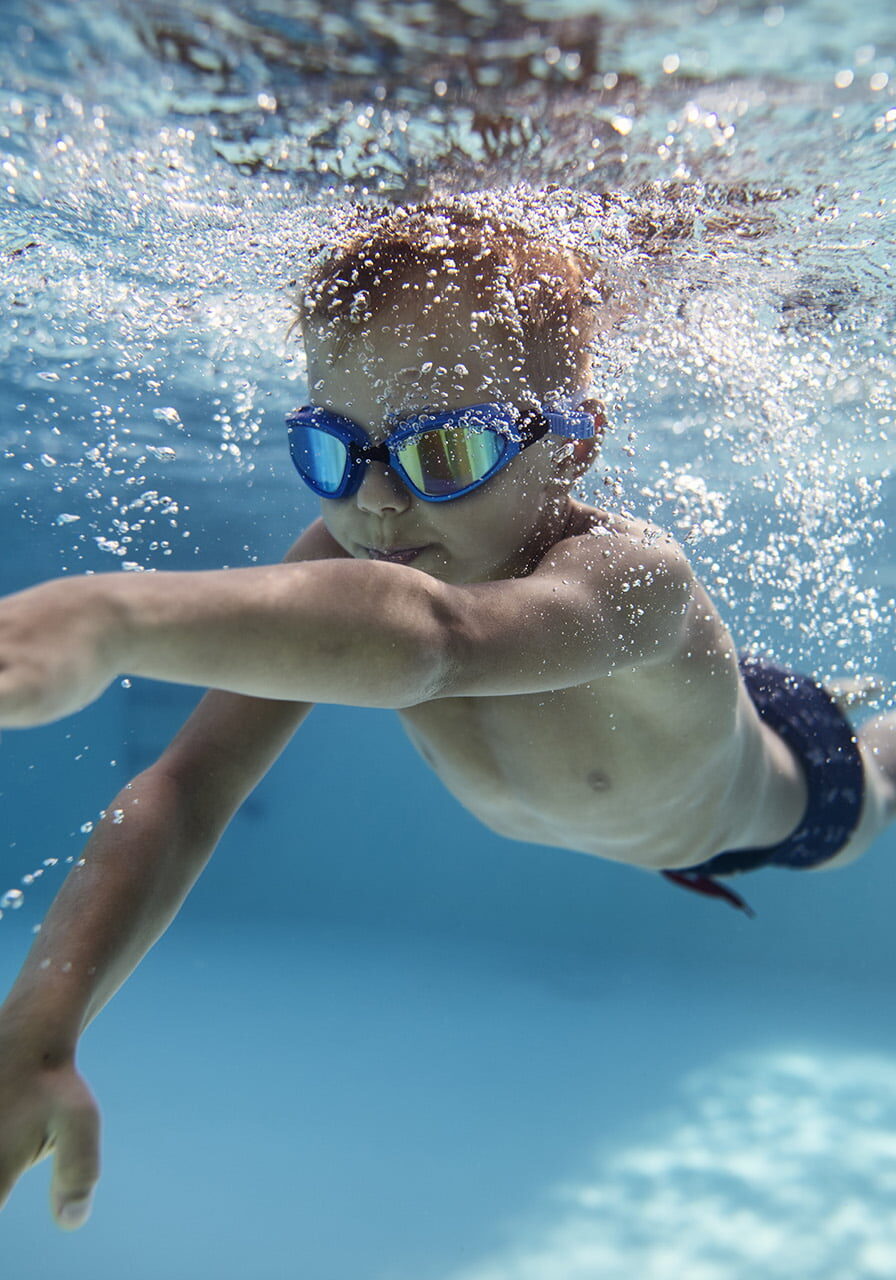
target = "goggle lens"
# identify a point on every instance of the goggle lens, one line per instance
(320, 457)
(447, 460)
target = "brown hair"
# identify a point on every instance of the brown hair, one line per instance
(540, 295)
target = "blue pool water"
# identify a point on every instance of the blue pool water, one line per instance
(395, 1046)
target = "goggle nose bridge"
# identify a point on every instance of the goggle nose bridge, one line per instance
(369, 453)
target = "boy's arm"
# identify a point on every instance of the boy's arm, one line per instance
(138, 867)
(350, 631)
(141, 861)
(594, 605)
(109, 912)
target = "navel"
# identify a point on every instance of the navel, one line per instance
(598, 781)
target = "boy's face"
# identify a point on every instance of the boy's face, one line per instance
(445, 358)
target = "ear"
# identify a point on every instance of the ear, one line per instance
(585, 452)
(596, 409)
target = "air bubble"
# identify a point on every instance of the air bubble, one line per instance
(169, 415)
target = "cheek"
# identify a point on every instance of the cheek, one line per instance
(518, 490)
(335, 516)
(482, 527)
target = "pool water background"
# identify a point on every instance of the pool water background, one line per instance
(380, 1041)
(390, 1046)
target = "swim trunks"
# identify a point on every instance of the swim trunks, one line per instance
(805, 716)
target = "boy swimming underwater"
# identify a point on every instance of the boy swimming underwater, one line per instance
(561, 669)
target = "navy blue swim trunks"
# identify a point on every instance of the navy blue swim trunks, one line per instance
(804, 714)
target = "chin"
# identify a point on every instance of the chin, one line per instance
(441, 567)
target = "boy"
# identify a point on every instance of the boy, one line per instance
(559, 667)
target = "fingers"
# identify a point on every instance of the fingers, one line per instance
(18, 1152)
(7, 1182)
(77, 1165)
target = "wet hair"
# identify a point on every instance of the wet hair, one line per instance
(541, 297)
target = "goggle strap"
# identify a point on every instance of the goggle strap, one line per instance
(577, 424)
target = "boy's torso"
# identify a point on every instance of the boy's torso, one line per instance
(661, 766)
(626, 767)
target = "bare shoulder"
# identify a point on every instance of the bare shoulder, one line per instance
(315, 543)
(619, 555)
(639, 575)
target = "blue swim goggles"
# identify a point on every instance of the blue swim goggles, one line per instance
(438, 455)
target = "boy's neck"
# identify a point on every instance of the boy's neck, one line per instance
(571, 519)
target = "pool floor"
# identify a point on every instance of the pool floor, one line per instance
(337, 1105)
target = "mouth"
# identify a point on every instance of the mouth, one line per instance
(397, 555)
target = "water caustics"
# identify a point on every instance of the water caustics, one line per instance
(773, 1164)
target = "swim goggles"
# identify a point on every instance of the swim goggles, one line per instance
(438, 455)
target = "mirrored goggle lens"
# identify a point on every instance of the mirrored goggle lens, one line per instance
(320, 458)
(449, 459)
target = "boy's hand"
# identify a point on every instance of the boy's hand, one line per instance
(44, 1110)
(58, 645)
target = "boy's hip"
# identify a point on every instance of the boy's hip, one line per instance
(807, 718)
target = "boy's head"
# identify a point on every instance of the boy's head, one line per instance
(541, 302)
(440, 308)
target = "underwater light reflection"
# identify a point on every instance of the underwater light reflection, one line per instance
(777, 1164)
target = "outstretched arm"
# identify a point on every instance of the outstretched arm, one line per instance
(341, 630)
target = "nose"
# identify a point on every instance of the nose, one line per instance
(382, 491)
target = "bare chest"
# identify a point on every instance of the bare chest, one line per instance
(604, 768)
